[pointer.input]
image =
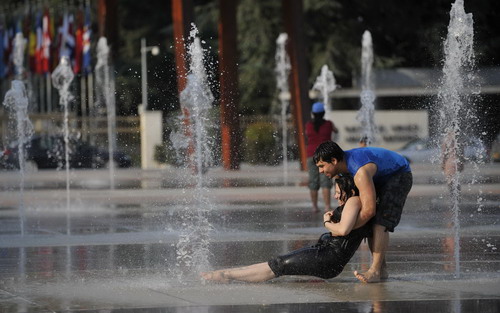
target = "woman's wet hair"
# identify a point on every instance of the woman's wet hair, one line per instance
(327, 151)
(346, 186)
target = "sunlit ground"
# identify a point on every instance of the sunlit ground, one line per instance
(117, 249)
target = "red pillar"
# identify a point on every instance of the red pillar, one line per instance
(182, 17)
(229, 95)
(107, 24)
(298, 85)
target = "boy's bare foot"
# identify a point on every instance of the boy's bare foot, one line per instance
(368, 277)
(216, 276)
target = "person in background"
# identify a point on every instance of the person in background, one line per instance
(452, 159)
(318, 130)
(363, 142)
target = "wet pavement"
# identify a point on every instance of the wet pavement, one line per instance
(117, 250)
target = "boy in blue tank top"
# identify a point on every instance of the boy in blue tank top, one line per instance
(384, 180)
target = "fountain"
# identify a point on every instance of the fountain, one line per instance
(16, 100)
(61, 79)
(325, 84)
(366, 113)
(124, 242)
(106, 94)
(18, 54)
(193, 143)
(456, 105)
(282, 70)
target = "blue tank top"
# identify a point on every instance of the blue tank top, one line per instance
(388, 162)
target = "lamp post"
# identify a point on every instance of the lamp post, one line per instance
(155, 50)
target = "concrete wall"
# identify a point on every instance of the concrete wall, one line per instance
(151, 136)
(395, 128)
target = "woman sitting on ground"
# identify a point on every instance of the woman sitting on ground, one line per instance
(326, 259)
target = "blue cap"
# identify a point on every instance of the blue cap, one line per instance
(318, 107)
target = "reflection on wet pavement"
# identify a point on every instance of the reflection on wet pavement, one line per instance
(120, 256)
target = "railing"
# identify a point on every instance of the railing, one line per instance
(94, 129)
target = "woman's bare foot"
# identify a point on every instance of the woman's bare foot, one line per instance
(216, 276)
(368, 277)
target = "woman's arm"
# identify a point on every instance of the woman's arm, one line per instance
(348, 219)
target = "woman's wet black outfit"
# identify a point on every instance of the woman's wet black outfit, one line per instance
(327, 258)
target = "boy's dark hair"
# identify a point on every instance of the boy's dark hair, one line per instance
(328, 150)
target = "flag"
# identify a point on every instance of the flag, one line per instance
(67, 44)
(56, 36)
(46, 41)
(32, 43)
(87, 32)
(77, 64)
(2, 64)
(38, 45)
(8, 48)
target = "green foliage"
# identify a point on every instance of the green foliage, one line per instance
(260, 144)
(334, 30)
(152, 22)
(164, 154)
(258, 28)
(405, 34)
(332, 39)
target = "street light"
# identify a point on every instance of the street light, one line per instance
(155, 50)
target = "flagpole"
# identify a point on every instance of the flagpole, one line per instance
(83, 103)
(92, 114)
(43, 99)
(49, 93)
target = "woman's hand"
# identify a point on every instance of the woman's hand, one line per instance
(327, 217)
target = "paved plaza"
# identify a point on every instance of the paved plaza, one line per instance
(116, 250)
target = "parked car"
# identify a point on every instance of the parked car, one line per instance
(48, 152)
(423, 150)
(495, 149)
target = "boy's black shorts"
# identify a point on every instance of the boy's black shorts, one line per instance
(391, 198)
